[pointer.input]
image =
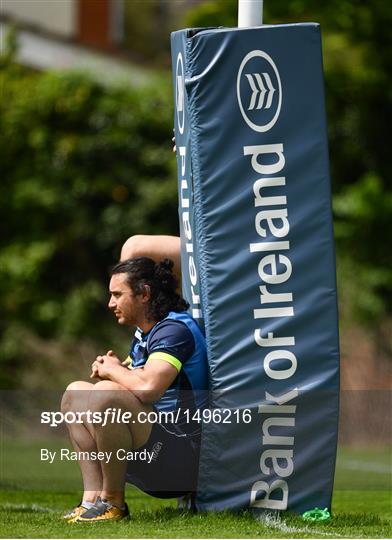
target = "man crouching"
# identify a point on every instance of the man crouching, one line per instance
(165, 372)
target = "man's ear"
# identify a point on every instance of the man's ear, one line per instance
(146, 293)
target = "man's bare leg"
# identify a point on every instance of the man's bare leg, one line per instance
(99, 477)
(76, 399)
(157, 247)
(113, 436)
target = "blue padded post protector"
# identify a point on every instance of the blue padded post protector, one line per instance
(258, 261)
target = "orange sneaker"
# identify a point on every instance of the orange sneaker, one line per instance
(103, 511)
(75, 512)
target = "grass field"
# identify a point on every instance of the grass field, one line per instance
(34, 496)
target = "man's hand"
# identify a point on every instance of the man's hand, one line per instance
(103, 365)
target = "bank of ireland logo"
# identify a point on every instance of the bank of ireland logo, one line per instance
(180, 102)
(259, 91)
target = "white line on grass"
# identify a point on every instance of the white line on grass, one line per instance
(275, 522)
(32, 507)
(357, 465)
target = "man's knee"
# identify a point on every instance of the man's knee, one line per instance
(73, 395)
(108, 386)
(108, 394)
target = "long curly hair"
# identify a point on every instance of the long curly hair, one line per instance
(159, 277)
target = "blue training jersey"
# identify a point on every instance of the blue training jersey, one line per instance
(179, 340)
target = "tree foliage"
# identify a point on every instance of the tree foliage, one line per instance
(83, 168)
(357, 46)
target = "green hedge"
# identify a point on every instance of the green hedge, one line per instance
(83, 168)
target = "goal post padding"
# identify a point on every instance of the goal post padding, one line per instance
(258, 261)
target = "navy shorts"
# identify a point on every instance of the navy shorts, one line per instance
(173, 469)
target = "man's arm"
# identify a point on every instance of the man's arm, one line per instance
(157, 247)
(148, 383)
(170, 345)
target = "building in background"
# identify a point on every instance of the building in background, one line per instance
(82, 33)
(92, 23)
